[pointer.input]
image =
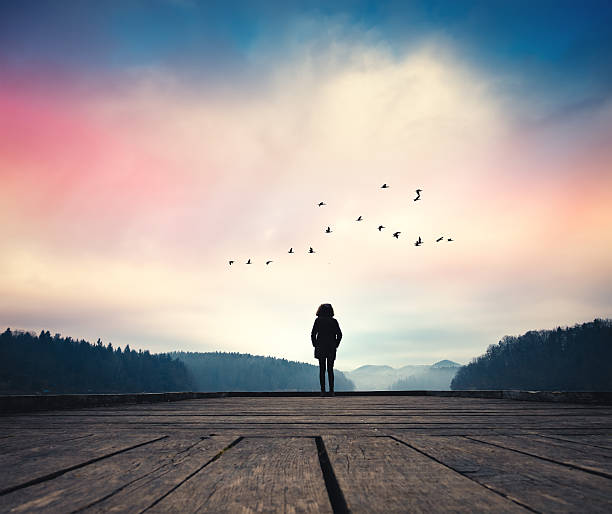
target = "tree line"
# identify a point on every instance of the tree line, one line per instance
(46, 364)
(221, 371)
(577, 358)
(31, 363)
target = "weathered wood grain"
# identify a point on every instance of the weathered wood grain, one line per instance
(41, 463)
(571, 454)
(62, 447)
(379, 474)
(543, 486)
(28, 403)
(312, 416)
(596, 441)
(342, 416)
(256, 475)
(128, 482)
(30, 439)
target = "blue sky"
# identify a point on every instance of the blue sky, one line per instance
(557, 48)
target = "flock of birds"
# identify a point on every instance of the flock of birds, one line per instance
(380, 228)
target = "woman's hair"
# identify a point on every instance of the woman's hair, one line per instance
(325, 309)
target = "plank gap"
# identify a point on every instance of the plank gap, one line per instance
(336, 496)
(571, 441)
(60, 472)
(191, 475)
(525, 506)
(529, 454)
(119, 489)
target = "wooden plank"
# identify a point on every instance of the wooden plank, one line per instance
(340, 408)
(545, 420)
(600, 421)
(571, 454)
(256, 475)
(128, 482)
(596, 441)
(379, 474)
(351, 406)
(30, 439)
(301, 407)
(422, 411)
(541, 485)
(317, 429)
(326, 417)
(37, 463)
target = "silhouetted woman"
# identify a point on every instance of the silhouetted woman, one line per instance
(326, 337)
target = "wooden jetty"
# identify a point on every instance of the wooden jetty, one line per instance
(279, 453)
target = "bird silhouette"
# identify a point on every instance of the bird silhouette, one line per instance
(359, 219)
(449, 239)
(380, 227)
(418, 192)
(290, 250)
(321, 204)
(231, 262)
(268, 262)
(249, 261)
(328, 230)
(418, 242)
(384, 186)
(439, 239)
(396, 235)
(311, 250)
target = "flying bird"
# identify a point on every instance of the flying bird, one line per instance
(449, 239)
(384, 186)
(268, 262)
(249, 261)
(439, 239)
(321, 204)
(418, 242)
(359, 219)
(380, 227)
(311, 250)
(290, 250)
(418, 192)
(328, 230)
(231, 262)
(396, 235)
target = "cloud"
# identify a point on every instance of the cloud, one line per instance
(127, 217)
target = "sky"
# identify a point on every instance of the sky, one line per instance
(144, 144)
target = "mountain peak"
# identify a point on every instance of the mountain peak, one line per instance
(446, 364)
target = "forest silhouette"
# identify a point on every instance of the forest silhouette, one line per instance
(575, 358)
(56, 364)
(565, 359)
(45, 364)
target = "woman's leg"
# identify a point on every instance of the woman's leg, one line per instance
(330, 373)
(322, 374)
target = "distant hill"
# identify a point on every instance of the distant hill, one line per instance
(371, 377)
(383, 378)
(433, 379)
(220, 371)
(565, 359)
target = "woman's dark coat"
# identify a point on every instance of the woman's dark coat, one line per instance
(325, 337)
